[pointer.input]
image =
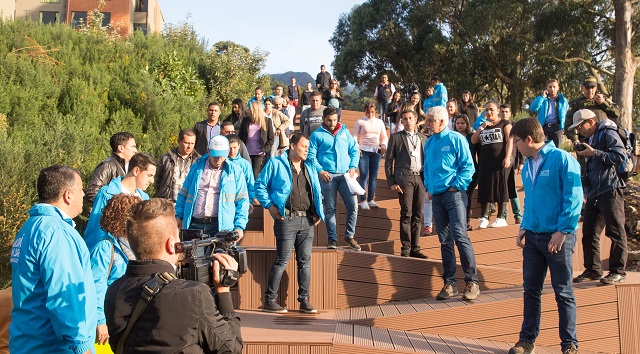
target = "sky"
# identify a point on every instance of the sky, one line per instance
(295, 32)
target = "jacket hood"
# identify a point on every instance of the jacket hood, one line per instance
(606, 124)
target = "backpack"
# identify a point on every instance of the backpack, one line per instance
(628, 168)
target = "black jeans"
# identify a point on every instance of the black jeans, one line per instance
(553, 133)
(411, 201)
(605, 211)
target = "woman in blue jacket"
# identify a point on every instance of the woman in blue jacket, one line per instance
(110, 256)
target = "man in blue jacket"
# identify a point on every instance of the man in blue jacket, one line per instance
(605, 198)
(552, 199)
(440, 94)
(214, 196)
(551, 107)
(142, 170)
(448, 169)
(54, 298)
(334, 152)
(288, 187)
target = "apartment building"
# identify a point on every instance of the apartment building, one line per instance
(130, 15)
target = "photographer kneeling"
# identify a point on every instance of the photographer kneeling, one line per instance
(181, 315)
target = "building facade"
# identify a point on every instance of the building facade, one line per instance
(128, 15)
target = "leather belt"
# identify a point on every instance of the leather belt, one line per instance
(548, 125)
(205, 220)
(296, 213)
(414, 173)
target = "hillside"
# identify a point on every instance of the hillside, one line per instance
(301, 78)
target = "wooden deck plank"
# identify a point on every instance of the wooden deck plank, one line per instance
(419, 343)
(400, 340)
(491, 347)
(344, 333)
(437, 343)
(472, 345)
(455, 345)
(373, 311)
(362, 336)
(381, 338)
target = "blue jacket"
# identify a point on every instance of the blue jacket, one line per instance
(440, 95)
(254, 98)
(273, 186)
(233, 205)
(100, 260)
(54, 299)
(609, 152)
(541, 105)
(554, 200)
(334, 154)
(428, 103)
(481, 119)
(93, 233)
(247, 169)
(447, 162)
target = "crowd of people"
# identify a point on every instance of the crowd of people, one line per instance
(85, 289)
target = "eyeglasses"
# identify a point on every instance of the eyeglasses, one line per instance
(516, 140)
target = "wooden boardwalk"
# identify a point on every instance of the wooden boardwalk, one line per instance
(375, 301)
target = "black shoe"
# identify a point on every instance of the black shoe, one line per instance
(405, 253)
(613, 278)
(352, 243)
(469, 228)
(587, 275)
(306, 307)
(447, 292)
(418, 254)
(332, 245)
(273, 307)
(518, 220)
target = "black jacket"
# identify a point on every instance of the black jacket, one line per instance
(106, 171)
(398, 157)
(601, 168)
(202, 145)
(266, 137)
(164, 172)
(182, 318)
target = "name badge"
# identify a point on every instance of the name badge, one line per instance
(415, 153)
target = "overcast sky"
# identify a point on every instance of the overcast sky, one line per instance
(295, 33)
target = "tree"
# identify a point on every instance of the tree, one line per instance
(626, 61)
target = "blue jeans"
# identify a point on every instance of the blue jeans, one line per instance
(329, 196)
(450, 214)
(382, 111)
(292, 233)
(209, 229)
(369, 166)
(536, 260)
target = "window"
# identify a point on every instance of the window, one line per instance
(49, 1)
(140, 27)
(78, 19)
(106, 19)
(49, 17)
(142, 5)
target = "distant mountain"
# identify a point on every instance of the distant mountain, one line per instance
(301, 78)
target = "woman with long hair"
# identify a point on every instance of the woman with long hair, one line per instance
(494, 163)
(393, 112)
(468, 107)
(257, 134)
(463, 127)
(110, 256)
(414, 104)
(333, 97)
(280, 122)
(371, 136)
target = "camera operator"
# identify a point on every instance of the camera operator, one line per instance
(183, 316)
(605, 201)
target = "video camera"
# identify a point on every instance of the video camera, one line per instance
(408, 90)
(197, 256)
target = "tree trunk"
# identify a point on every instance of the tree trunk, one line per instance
(626, 63)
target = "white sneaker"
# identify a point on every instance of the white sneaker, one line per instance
(483, 223)
(499, 222)
(373, 204)
(364, 205)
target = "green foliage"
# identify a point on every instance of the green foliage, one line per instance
(499, 49)
(65, 92)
